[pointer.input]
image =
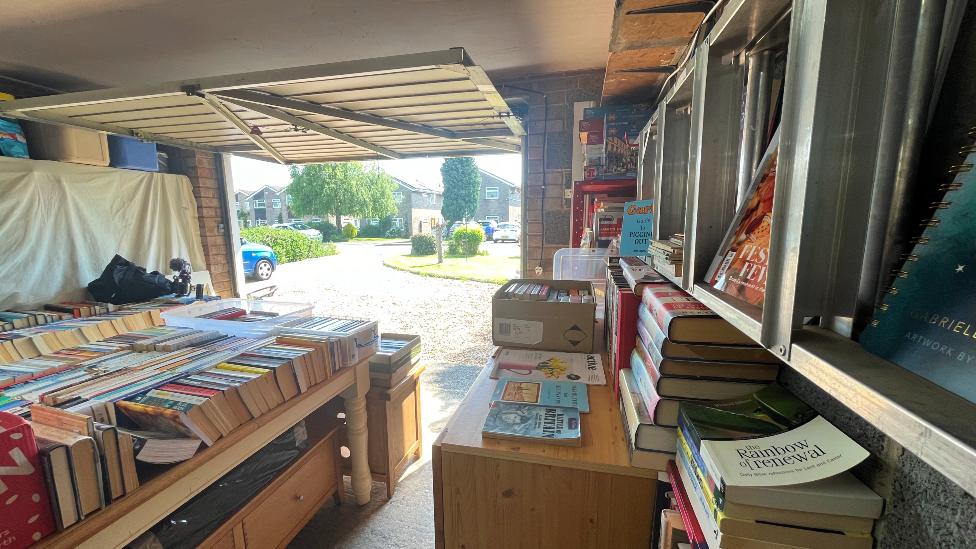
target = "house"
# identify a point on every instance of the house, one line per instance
(265, 206)
(418, 206)
(499, 200)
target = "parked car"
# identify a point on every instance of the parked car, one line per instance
(259, 260)
(507, 231)
(489, 226)
(314, 234)
(458, 224)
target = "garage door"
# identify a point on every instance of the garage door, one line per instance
(427, 104)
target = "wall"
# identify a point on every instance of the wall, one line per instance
(547, 156)
(500, 207)
(205, 176)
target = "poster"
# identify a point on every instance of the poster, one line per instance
(635, 236)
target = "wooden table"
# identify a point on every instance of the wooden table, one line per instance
(127, 518)
(491, 493)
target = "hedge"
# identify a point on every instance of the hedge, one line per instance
(423, 244)
(288, 245)
(466, 241)
(350, 231)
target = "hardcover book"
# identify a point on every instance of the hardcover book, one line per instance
(739, 269)
(684, 319)
(549, 424)
(27, 513)
(546, 393)
(926, 323)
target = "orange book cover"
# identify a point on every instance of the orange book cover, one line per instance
(740, 267)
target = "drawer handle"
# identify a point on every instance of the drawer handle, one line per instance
(299, 497)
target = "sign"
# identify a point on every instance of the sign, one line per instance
(635, 236)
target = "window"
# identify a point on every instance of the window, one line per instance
(288, 199)
(397, 196)
(247, 205)
(262, 221)
(491, 193)
(492, 217)
(398, 222)
(259, 203)
(374, 222)
(275, 202)
(237, 204)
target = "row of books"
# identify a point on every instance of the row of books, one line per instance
(667, 255)
(528, 291)
(237, 314)
(13, 320)
(396, 356)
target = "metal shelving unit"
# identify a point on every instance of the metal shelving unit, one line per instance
(858, 91)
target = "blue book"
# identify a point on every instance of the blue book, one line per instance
(533, 422)
(927, 322)
(547, 393)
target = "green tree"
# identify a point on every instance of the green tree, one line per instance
(242, 218)
(280, 220)
(341, 188)
(462, 188)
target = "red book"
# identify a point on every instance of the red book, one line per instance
(684, 319)
(189, 390)
(26, 508)
(695, 535)
(625, 326)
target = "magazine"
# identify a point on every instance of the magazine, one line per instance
(532, 365)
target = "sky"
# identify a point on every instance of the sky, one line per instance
(251, 174)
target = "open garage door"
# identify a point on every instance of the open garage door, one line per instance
(436, 103)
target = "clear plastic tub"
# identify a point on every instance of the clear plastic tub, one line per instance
(580, 264)
(189, 316)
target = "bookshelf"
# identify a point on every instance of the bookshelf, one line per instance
(858, 80)
(127, 518)
(524, 494)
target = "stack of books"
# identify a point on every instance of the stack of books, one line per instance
(683, 352)
(668, 255)
(529, 291)
(767, 471)
(398, 355)
(350, 340)
(620, 328)
(540, 395)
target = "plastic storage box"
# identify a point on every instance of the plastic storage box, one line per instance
(132, 154)
(80, 146)
(189, 316)
(357, 339)
(580, 264)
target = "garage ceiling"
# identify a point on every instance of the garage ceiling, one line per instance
(436, 103)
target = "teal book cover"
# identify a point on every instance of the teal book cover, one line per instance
(533, 422)
(927, 322)
(547, 393)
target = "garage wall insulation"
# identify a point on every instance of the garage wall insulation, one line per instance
(61, 223)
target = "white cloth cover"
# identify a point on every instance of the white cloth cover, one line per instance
(61, 223)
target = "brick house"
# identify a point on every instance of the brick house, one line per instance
(500, 200)
(418, 206)
(264, 205)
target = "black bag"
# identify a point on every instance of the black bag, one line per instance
(123, 282)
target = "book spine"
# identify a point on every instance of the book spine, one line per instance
(692, 526)
(690, 435)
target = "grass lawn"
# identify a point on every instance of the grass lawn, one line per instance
(364, 240)
(480, 268)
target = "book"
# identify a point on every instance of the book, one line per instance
(652, 446)
(27, 515)
(532, 422)
(739, 268)
(168, 416)
(56, 467)
(130, 475)
(533, 365)
(652, 335)
(689, 388)
(771, 449)
(696, 537)
(670, 367)
(925, 321)
(107, 441)
(546, 393)
(684, 319)
(86, 475)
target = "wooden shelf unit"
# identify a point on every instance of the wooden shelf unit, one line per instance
(502, 493)
(127, 518)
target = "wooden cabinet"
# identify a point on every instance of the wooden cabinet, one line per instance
(273, 517)
(395, 428)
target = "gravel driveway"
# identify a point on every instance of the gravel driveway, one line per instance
(453, 318)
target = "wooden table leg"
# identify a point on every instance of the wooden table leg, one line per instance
(357, 433)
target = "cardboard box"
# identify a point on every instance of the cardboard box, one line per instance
(546, 325)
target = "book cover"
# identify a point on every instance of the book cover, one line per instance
(532, 365)
(27, 511)
(548, 424)
(739, 269)
(684, 319)
(926, 322)
(546, 393)
(769, 438)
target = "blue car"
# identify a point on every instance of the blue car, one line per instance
(259, 260)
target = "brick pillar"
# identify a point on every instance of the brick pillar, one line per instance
(202, 170)
(547, 157)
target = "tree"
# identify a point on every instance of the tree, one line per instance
(243, 218)
(280, 220)
(462, 188)
(341, 188)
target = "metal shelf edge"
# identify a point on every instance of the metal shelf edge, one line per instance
(748, 322)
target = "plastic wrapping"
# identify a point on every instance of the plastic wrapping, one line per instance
(201, 516)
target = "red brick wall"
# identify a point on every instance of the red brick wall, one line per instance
(202, 168)
(547, 157)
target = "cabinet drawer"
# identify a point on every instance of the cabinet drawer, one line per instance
(278, 518)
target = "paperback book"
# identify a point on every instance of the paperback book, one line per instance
(532, 365)
(546, 393)
(549, 424)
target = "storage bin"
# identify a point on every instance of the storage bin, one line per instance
(132, 154)
(76, 145)
(189, 316)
